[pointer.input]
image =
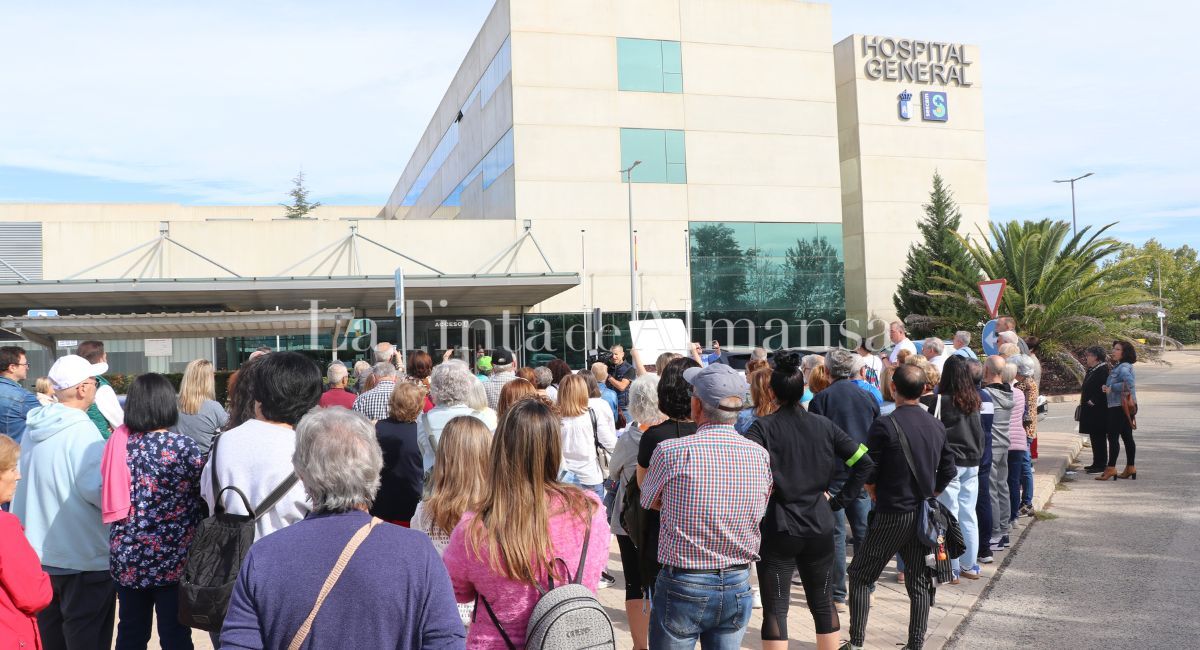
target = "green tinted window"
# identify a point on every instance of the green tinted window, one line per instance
(649, 66)
(661, 152)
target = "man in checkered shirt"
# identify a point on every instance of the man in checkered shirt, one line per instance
(712, 489)
(502, 373)
(375, 403)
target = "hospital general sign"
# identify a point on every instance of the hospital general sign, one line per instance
(912, 61)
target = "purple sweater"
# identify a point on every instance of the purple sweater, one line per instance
(394, 593)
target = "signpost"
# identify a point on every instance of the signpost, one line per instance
(399, 311)
(992, 291)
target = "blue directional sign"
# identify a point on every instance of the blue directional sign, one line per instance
(990, 338)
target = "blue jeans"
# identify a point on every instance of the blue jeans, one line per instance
(1027, 481)
(569, 477)
(712, 608)
(960, 497)
(856, 512)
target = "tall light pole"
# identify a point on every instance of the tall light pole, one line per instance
(628, 171)
(1072, 182)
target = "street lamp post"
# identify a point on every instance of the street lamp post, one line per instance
(1072, 182)
(628, 172)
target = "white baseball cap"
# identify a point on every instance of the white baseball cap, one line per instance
(73, 370)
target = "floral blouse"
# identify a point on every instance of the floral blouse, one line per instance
(149, 548)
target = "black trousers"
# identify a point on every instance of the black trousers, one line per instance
(631, 568)
(138, 607)
(1099, 440)
(1119, 431)
(80, 617)
(891, 532)
(781, 556)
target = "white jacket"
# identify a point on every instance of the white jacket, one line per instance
(579, 442)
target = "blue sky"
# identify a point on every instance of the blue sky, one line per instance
(222, 102)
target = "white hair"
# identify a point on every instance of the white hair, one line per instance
(384, 369)
(1008, 337)
(962, 336)
(450, 384)
(643, 399)
(337, 373)
(338, 459)
(477, 397)
(759, 354)
(840, 362)
(935, 344)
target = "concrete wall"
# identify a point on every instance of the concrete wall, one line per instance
(887, 166)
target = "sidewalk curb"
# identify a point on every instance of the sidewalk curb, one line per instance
(1049, 470)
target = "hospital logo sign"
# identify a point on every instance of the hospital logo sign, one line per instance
(933, 106)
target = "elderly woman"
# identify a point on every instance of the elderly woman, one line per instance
(280, 594)
(1027, 383)
(450, 386)
(24, 587)
(1093, 407)
(807, 365)
(403, 477)
(622, 468)
(477, 400)
(362, 370)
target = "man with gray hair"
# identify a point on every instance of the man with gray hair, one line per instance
(758, 354)
(900, 341)
(934, 349)
(709, 536)
(1003, 405)
(962, 345)
(386, 352)
(337, 395)
(375, 403)
(600, 373)
(339, 461)
(853, 410)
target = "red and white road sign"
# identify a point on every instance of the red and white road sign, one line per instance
(991, 290)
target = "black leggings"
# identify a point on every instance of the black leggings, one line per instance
(629, 565)
(1119, 431)
(781, 555)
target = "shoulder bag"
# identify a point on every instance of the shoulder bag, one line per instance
(1129, 404)
(602, 454)
(334, 574)
(931, 525)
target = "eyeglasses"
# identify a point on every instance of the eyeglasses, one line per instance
(89, 383)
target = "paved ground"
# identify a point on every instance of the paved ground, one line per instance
(1119, 567)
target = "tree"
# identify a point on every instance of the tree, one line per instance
(1173, 273)
(1058, 288)
(816, 283)
(940, 245)
(299, 207)
(720, 269)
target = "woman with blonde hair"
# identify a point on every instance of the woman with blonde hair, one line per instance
(762, 399)
(583, 430)
(458, 484)
(506, 551)
(200, 414)
(45, 392)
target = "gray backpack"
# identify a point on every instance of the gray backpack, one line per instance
(567, 617)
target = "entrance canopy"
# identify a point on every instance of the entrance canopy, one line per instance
(369, 293)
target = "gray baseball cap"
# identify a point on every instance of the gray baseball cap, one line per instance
(715, 383)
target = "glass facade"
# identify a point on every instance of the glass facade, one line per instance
(768, 280)
(649, 66)
(493, 76)
(661, 151)
(495, 163)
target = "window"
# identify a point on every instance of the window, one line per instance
(661, 152)
(649, 66)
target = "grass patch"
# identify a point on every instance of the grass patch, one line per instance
(1043, 515)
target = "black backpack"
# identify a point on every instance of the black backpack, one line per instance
(218, 548)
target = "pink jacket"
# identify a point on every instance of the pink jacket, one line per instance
(115, 482)
(1017, 440)
(513, 601)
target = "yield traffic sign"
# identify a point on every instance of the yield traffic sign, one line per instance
(991, 290)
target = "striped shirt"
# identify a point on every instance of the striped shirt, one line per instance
(375, 404)
(713, 488)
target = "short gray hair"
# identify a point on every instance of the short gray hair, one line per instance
(1025, 365)
(962, 336)
(935, 344)
(477, 397)
(643, 399)
(450, 384)
(337, 373)
(840, 362)
(543, 376)
(384, 369)
(759, 353)
(712, 413)
(1008, 336)
(384, 352)
(338, 459)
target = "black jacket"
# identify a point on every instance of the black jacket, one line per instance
(806, 450)
(964, 432)
(895, 488)
(1094, 412)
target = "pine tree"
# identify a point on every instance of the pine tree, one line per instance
(940, 244)
(300, 207)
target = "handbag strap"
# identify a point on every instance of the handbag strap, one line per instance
(912, 468)
(332, 579)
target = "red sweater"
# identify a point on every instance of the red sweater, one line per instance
(24, 587)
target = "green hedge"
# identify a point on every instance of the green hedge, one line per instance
(120, 383)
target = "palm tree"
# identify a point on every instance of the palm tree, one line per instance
(1058, 290)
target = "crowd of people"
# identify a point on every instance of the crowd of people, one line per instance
(404, 503)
